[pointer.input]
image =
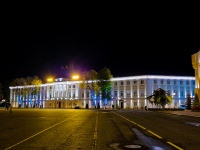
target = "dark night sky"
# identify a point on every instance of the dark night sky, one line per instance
(128, 42)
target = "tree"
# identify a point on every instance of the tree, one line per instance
(188, 102)
(89, 81)
(32, 88)
(196, 101)
(98, 84)
(160, 97)
(105, 84)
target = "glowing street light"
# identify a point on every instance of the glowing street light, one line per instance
(50, 80)
(75, 77)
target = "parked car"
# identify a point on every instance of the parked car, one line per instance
(182, 106)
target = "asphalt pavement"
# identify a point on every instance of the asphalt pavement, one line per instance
(185, 113)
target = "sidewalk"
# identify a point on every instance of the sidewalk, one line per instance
(185, 112)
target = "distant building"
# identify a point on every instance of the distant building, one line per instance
(127, 93)
(196, 66)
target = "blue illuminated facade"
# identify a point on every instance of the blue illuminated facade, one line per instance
(126, 93)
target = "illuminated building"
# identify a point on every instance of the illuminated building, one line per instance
(127, 93)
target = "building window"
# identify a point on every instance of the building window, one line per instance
(122, 83)
(193, 82)
(88, 94)
(135, 93)
(115, 83)
(181, 92)
(134, 82)
(115, 93)
(175, 92)
(122, 93)
(141, 93)
(181, 82)
(142, 82)
(155, 81)
(128, 93)
(82, 94)
(135, 104)
(187, 83)
(161, 82)
(73, 93)
(175, 82)
(128, 82)
(168, 81)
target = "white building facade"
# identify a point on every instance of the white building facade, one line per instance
(126, 93)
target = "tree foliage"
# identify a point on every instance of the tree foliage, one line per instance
(98, 83)
(196, 101)
(105, 83)
(160, 97)
(28, 81)
(89, 79)
(188, 102)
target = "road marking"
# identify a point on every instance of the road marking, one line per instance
(94, 146)
(175, 146)
(141, 126)
(155, 134)
(40, 132)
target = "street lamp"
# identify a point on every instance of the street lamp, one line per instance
(49, 80)
(75, 77)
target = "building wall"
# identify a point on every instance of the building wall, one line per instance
(126, 93)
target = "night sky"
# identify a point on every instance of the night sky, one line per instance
(128, 42)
